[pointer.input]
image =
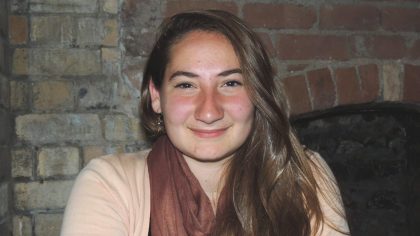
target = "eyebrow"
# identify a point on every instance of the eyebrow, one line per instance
(192, 75)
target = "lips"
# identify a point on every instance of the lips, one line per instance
(206, 133)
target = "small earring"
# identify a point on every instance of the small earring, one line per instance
(159, 124)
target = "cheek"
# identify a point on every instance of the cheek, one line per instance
(241, 109)
(176, 110)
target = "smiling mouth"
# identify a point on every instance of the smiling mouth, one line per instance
(203, 133)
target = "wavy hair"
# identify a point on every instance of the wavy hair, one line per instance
(272, 184)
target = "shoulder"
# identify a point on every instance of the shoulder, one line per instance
(120, 170)
(124, 160)
(109, 194)
(125, 173)
(319, 166)
(121, 175)
(335, 222)
(326, 182)
(316, 158)
(117, 164)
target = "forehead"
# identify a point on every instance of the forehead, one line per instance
(200, 34)
(201, 44)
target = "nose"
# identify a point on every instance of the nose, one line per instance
(209, 108)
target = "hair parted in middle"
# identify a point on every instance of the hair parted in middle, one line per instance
(270, 181)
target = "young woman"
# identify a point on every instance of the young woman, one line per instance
(225, 160)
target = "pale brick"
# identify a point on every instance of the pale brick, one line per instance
(20, 61)
(136, 147)
(96, 31)
(53, 128)
(22, 226)
(121, 128)
(52, 95)
(59, 6)
(48, 224)
(111, 60)
(95, 94)
(18, 29)
(58, 161)
(91, 152)
(42, 195)
(22, 162)
(90, 31)
(52, 30)
(110, 6)
(111, 55)
(128, 99)
(64, 62)
(4, 197)
(392, 83)
(134, 74)
(111, 33)
(18, 95)
(115, 149)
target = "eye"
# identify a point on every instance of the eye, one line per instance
(232, 83)
(184, 85)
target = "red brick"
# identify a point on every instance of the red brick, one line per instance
(350, 17)
(369, 81)
(386, 47)
(301, 47)
(348, 88)
(18, 29)
(414, 52)
(279, 16)
(401, 19)
(297, 94)
(268, 44)
(322, 89)
(411, 83)
(357, 46)
(296, 67)
(173, 7)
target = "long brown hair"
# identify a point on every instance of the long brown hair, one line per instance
(272, 184)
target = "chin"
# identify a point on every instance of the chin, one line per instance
(208, 156)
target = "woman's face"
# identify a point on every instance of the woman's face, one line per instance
(207, 112)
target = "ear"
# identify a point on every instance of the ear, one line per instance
(155, 97)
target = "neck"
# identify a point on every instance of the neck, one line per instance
(210, 175)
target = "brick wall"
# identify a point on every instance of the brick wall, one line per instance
(66, 92)
(5, 125)
(76, 68)
(328, 54)
(337, 86)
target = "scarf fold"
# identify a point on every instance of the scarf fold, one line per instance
(179, 205)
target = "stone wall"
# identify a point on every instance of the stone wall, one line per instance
(65, 95)
(76, 68)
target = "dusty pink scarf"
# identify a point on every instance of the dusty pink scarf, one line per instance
(179, 206)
